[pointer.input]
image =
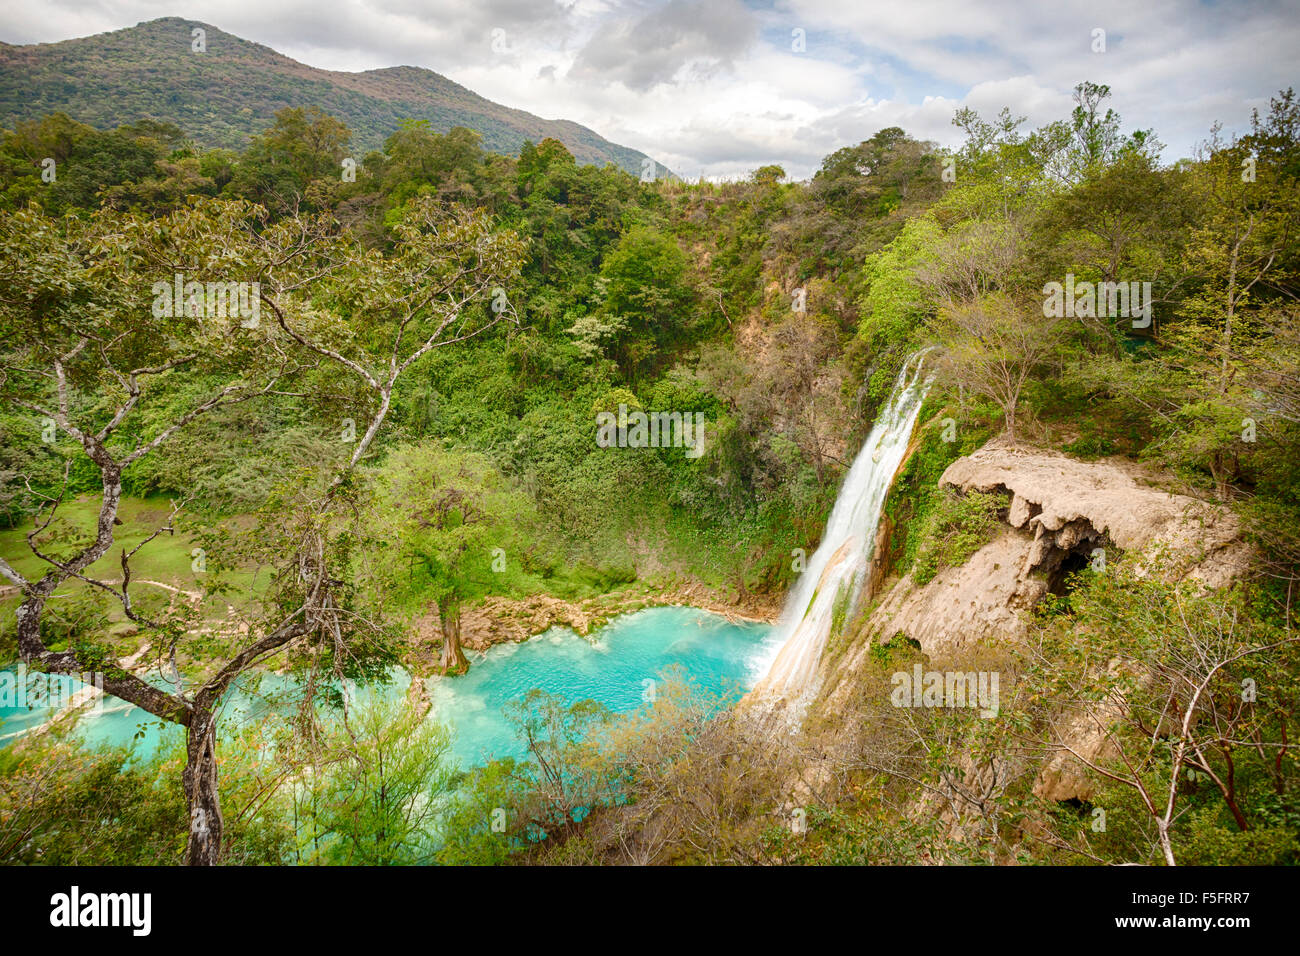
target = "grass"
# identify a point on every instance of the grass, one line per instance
(166, 559)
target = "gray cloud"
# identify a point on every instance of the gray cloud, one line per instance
(713, 85)
(700, 36)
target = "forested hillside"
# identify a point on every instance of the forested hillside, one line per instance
(230, 90)
(400, 425)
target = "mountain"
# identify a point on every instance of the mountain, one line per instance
(223, 95)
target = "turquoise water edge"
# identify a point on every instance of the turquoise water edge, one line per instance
(613, 666)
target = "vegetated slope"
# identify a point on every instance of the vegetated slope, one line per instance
(232, 90)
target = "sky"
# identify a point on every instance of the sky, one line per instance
(721, 87)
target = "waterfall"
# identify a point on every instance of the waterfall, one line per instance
(835, 575)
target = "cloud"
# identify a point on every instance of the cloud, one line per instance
(714, 86)
(680, 39)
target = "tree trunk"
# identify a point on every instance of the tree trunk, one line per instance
(200, 781)
(453, 659)
(1166, 844)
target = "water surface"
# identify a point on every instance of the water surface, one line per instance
(612, 666)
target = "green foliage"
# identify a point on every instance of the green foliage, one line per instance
(957, 527)
(840, 609)
(303, 147)
(599, 290)
(66, 165)
(446, 526)
(1172, 648)
(476, 827)
(62, 804)
(379, 796)
(863, 834)
(647, 301)
(915, 495)
(225, 95)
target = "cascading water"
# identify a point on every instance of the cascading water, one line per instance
(834, 577)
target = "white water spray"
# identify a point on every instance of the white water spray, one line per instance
(837, 571)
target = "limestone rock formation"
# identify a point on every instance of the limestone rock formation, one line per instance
(1068, 503)
(1061, 510)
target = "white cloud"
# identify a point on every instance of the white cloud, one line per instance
(713, 86)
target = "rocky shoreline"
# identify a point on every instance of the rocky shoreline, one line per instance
(501, 620)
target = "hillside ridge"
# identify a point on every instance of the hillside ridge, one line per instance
(231, 91)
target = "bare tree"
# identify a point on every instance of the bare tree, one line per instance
(992, 347)
(1178, 681)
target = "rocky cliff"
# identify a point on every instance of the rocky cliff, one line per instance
(1062, 515)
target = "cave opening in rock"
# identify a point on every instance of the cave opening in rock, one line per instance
(1061, 581)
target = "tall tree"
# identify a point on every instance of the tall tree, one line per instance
(87, 349)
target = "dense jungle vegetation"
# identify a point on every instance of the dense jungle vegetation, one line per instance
(416, 400)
